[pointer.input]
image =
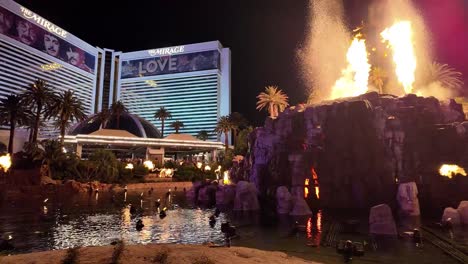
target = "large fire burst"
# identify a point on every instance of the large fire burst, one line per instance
(338, 63)
(354, 79)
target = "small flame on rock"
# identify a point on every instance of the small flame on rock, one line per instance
(149, 165)
(226, 180)
(5, 162)
(448, 170)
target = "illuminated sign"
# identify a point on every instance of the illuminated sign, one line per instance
(151, 83)
(166, 51)
(41, 21)
(187, 62)
(51, 66)
(154, 65)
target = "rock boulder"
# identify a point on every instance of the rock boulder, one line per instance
(381, 221)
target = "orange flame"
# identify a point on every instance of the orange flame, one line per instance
(448, 170)
(400, 39)
(306, 188)
(316, 184)
(354, 78)
(5, 162)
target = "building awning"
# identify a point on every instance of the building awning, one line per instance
(113, 138)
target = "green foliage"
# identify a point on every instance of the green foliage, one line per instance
(273, 99)
(39, 96)
(66, 108)
(71, 257)
(106, 165)
(140, 171)
(242, 143)
(226, 158)
(162, 114)
(60, 165)
(170, 164)
(3, 148)
(189, 172)
(203, 135)
(177, 125)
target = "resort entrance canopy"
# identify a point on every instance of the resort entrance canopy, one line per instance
(122, 140)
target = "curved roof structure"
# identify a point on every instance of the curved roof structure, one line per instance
(129, 122)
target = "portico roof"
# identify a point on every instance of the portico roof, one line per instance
(119, 139)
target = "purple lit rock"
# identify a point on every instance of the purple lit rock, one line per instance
(463, 211)
(452, 214)
(246, 197)
(300, 207)
(225, 195)
(381, 221)
(407, 198)
(283, 200)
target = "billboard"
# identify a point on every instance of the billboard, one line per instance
(197, 61)
(46, 41)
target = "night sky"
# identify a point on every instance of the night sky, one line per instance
(263, 34)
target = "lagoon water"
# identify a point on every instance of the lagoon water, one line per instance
(92, 220)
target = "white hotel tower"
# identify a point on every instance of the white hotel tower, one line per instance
(191, 81)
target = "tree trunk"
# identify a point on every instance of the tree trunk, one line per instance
(118, 120)
(36, 123)
(226, 141)
(272, 111)
(12, 136)
(62, 133)
(162, 127)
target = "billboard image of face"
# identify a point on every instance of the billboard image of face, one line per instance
(51, 45)
(197, 61)
(28, 33)
(6, 22)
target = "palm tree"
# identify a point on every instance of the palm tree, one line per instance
(162, 114)
(49, 152)
(66, 108)
(238, 122)
(39, 96)
(273, 99)
(177, 125)
(117, 109)
(104, 117)
(203, 135)
(225, 126)
(377, 78)
(447, 76)
(13, 112)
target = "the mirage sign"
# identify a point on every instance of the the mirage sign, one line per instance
(198, 61)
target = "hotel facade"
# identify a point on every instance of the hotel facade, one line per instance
(191, 81)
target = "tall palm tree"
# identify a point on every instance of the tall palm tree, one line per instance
(66, 109)
(377, 78)
(238, 122)
(39, 96)
(203, 135)
(225, 126)
(162, 114)
(117, 109)
(177, 125)
(104, 117)
(447, 76)
(13, 112)
(273, 99)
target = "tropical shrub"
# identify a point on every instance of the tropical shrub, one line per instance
(106, 165)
